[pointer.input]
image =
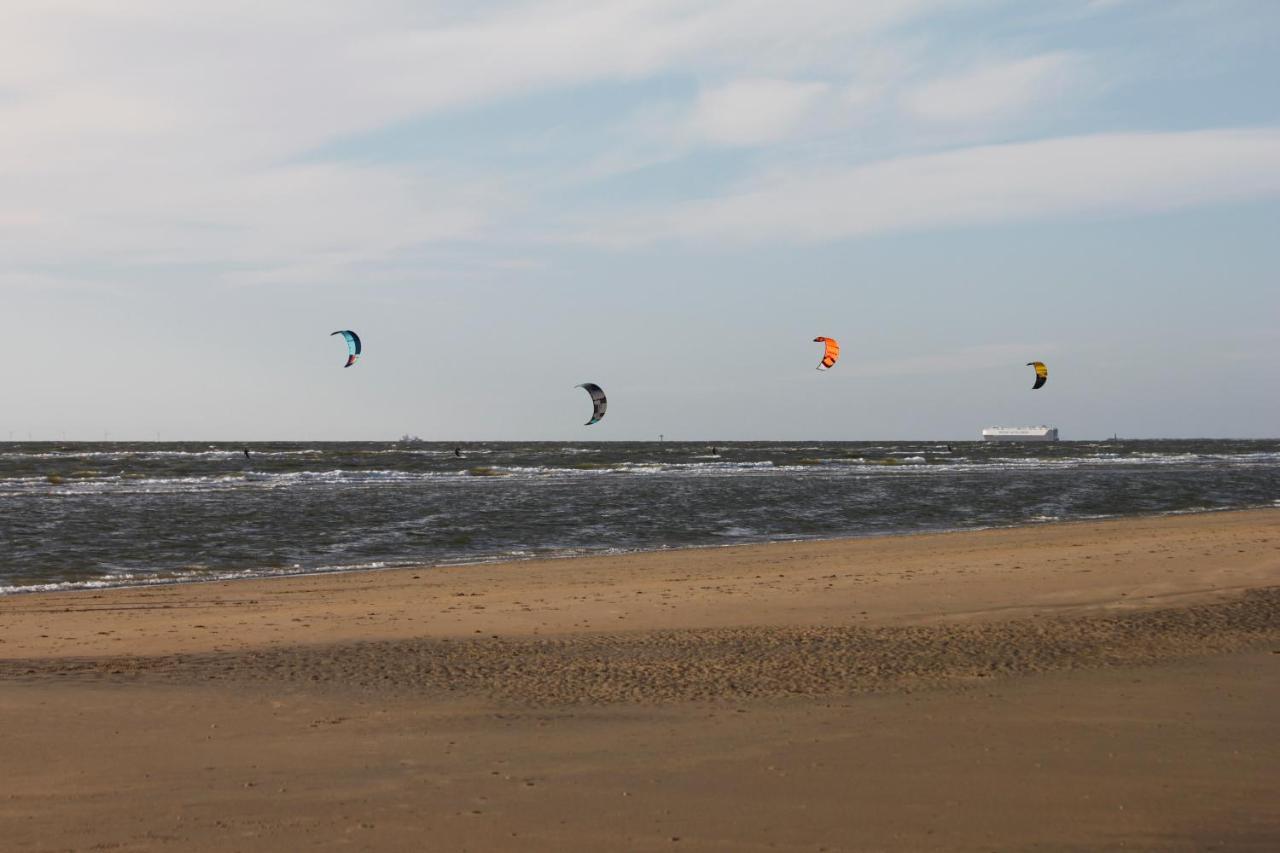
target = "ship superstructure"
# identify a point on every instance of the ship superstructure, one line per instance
(1030, 433)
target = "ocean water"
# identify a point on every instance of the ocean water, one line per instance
(110, 514)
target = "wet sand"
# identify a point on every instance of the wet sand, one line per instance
(1069, 686)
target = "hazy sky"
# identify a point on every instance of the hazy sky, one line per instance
(671, 199)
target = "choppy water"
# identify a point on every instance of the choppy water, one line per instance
(79, 515)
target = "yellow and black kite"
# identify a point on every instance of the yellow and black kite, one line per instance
(1042, 373)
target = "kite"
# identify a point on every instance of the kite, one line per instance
(353, 345)
(1042, 373)
(598, 401)
(830, 355)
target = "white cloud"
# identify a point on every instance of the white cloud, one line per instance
(753, 112)
(993, 91)
(147, 131)
(1099, 174)
(154, 132)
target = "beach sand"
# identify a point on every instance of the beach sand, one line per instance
(1108, 684)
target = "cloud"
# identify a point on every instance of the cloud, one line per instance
(753, 112)
(143, 132)
(993, 91)
(1098, 174)
(146, 132)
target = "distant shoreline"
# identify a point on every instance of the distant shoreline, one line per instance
(236, 444)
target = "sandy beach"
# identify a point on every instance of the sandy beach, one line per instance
(1053, 687)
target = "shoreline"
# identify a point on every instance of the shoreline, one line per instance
(69, 587)
(990, 574)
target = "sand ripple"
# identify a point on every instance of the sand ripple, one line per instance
(713, 664)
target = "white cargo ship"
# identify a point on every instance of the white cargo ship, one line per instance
(1035, 433)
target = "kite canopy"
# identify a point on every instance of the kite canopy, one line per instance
(353, 345)
(830, 355)
(1042, 373)
(598, 401)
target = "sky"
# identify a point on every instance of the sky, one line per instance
(671, 199)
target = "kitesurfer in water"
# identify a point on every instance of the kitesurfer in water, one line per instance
(457, 451)
(246, 453)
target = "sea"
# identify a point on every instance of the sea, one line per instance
(88, 515)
